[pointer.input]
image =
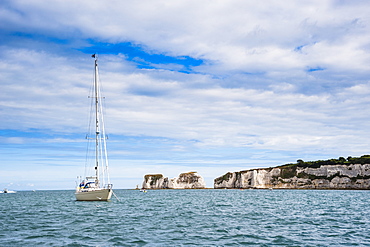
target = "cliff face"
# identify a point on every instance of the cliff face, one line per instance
(155, 181)
(353, 176)
(190, 180)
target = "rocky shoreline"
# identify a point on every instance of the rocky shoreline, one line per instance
(355, 176)
(350, 173)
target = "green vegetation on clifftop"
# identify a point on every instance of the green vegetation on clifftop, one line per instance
(365, 159)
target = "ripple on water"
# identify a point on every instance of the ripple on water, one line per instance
(188, 217)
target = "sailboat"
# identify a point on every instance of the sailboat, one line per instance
(7, 191)
(96, 186)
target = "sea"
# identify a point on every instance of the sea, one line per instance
(188, 218)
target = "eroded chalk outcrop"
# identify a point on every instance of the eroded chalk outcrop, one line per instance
(155, 181)
(337, 176)
(189, 180)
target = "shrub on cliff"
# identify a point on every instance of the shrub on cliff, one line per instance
(226, 177)
(365, 159)
(288, 172)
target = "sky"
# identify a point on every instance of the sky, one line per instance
(212, 86)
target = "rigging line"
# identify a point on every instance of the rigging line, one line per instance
(116, 196)
(103, 136)
(104, 143)
(89, 145)
(88, 158)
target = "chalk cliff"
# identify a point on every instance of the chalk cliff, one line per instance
(311, 175)
(155, 181)
(189, 180)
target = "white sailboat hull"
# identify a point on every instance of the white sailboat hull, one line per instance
(94, 195)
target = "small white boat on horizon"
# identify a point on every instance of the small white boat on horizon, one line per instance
(6, 191)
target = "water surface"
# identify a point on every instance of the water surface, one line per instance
(188, 218)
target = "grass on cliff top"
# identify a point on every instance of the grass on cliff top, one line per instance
(365, 159)
(291, 167)
(187, 173)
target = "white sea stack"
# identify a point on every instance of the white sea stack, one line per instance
(189, 180)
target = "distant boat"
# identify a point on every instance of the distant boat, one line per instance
(96, 186)
(6, 191)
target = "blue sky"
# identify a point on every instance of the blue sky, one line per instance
(207, 86)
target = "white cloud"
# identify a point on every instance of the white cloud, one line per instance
(276, 77)
(141, 103)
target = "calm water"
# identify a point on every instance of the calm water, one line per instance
(187, 218)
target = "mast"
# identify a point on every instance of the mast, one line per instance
(97, 132)
(101, 156)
